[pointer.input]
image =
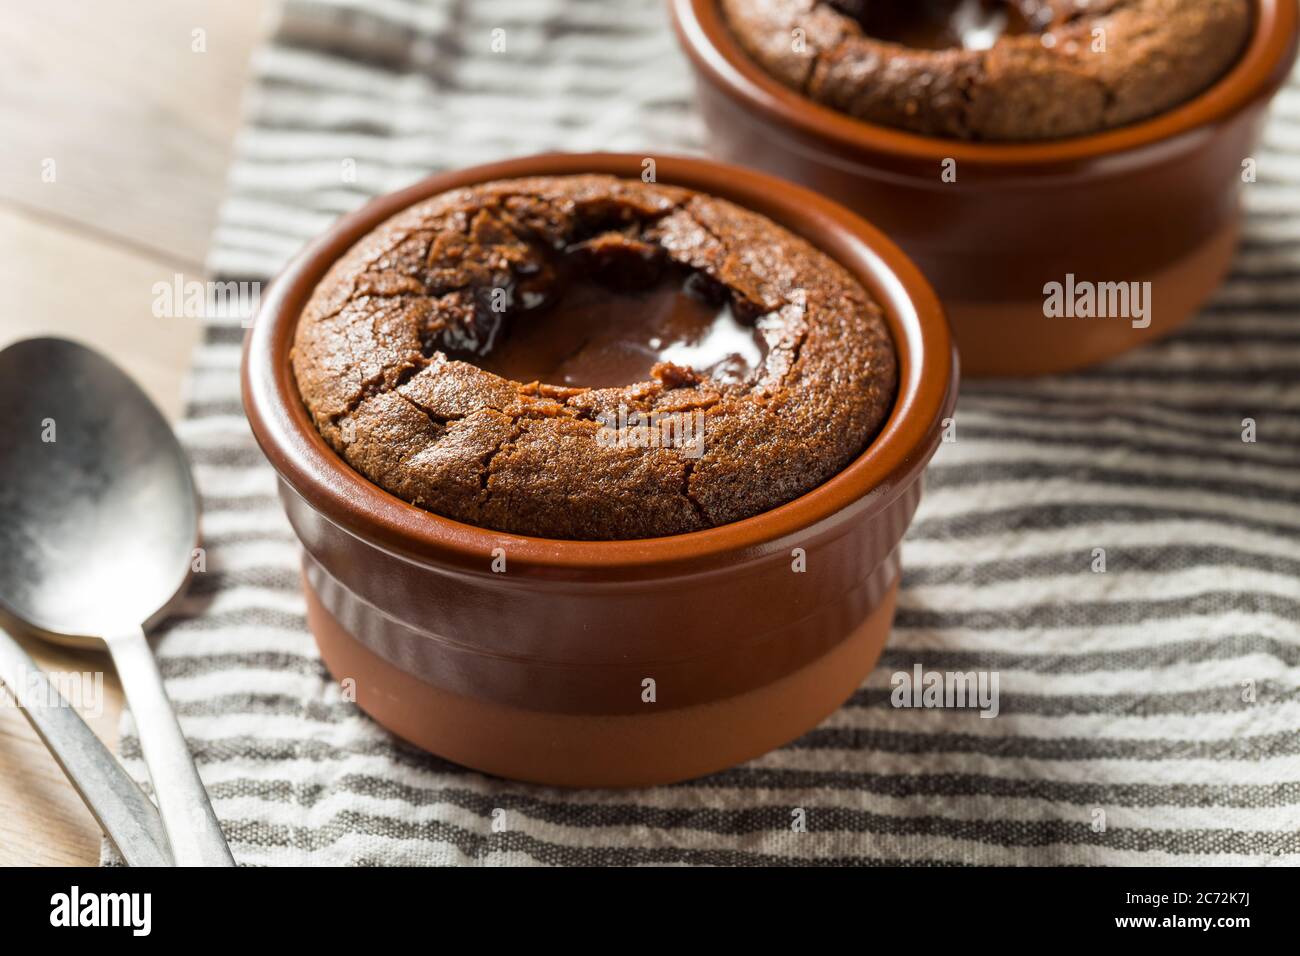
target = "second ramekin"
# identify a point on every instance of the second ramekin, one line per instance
(1157, 201)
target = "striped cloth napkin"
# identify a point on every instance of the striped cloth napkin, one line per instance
(1148, 714)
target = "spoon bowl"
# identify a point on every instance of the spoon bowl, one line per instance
(100, 515)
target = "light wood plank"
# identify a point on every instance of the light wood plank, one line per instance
(138, 125)
(59, 282)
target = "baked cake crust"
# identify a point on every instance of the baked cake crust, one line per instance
(1049, 83)
(371, 359)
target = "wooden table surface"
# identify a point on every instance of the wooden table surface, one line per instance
(137, 126)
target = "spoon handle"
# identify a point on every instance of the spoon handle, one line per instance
(117, 802)
(196, 838)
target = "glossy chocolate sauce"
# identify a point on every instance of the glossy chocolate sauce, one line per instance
(596, 336)
(947, 24)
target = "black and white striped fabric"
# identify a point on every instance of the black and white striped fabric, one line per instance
(1148, 715)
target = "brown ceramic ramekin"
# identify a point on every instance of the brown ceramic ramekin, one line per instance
(1154, 202)
(751, 632)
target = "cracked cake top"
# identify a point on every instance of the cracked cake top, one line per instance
(585, 357)
(998, 70)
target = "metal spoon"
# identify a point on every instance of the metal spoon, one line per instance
(117, 802)
(98, 525)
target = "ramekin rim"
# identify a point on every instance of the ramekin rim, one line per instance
(1258, 73)
(893, 459)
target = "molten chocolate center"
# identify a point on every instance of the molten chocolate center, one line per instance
(946, 24)
(597, 336)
